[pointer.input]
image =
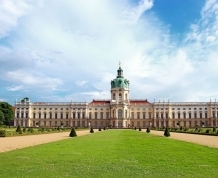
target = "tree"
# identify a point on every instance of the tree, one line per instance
(91, 130)
(19, 129)
(2, 118)
(73, 132)
(166, 132)
(148, 130)
(6, 110)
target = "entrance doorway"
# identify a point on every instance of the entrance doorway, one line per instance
(120, 124)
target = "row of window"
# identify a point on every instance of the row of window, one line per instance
(143, 114)
(179, 115)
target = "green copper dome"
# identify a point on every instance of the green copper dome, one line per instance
(120, 81)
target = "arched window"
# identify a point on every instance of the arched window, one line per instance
(114, 97)
(120, 96)
(125, 113)
(126, 96)
(120, 113)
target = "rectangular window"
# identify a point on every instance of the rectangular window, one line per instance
(44, 115)
(166, 115)
(56, 116)
(157, 115)
(132, 115)
(144, 115)
(205, 115)
(161, 115)
(179, 115)
(149, 115)
(50, 115)
(34, 115)
(107, 115)
(83, 115)
(78, 115)
(67, 117)
(190, 115)
(184, 115)
(200, 115)
(173, 115)
(44, 123)
(214, 122)
(195, 115)
(19, 115)
(39, 115)
(213, 114)
(90, 115)
(138, 123)
(96, 115)
(61, 115)
(144, 124)
(101, 124)
(190, 123)
(22, 115)
(26, 114)
(138, 115)
(101, 115)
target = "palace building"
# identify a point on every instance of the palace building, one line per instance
(119, 111)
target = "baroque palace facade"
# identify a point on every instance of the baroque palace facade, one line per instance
(120, 111)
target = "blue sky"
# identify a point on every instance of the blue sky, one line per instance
(70, 50)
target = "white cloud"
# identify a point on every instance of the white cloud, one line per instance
(15, 88)
(81, 83)
(97, 95)
(10, 12)
(63, 46)
(25, 78)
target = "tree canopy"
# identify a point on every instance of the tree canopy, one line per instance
(6, 113)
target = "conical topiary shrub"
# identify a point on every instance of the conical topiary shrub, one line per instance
(148, 130)
(73, 132)
(91, 130)
(99, 129)
(104, 128)
(19, 129)
(166, 132)
(140, 129)
(135, 128)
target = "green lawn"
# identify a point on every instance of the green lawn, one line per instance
(112, 153)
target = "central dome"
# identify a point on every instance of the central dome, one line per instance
(120, 81)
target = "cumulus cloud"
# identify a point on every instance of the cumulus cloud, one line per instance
(71, 50)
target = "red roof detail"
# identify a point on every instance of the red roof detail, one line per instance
(100, 102)
(139, 102)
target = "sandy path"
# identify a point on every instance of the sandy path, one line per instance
(12, 143)
(211, 141)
